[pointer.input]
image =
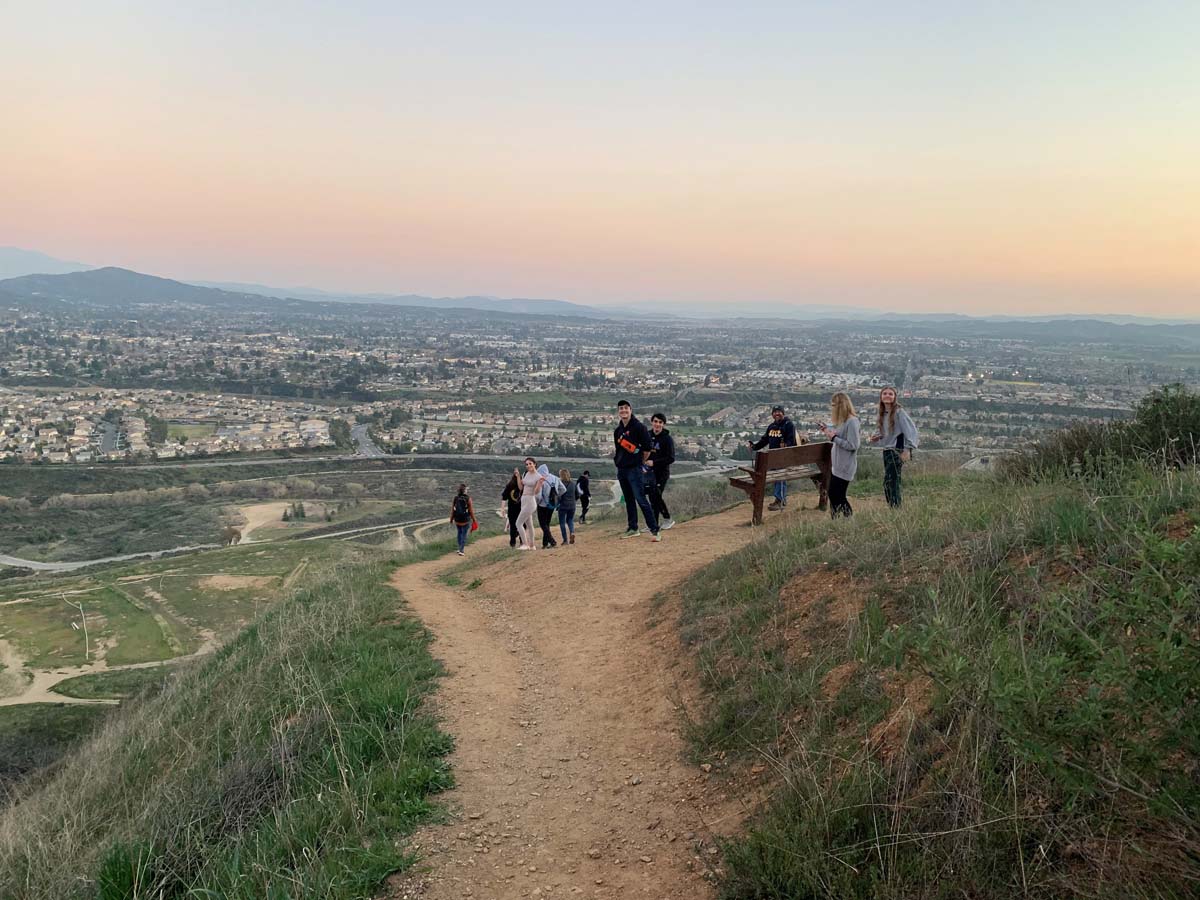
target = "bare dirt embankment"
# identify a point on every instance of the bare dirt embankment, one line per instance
(563, 702)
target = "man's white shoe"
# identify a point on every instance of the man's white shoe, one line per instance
(667, 523)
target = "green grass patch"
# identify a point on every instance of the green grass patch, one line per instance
(288, 764)
(119, 685)
(35, 735)
(990, 694)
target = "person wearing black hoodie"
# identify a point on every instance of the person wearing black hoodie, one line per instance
(780, 433)
(658, 468)
(512, 501)
(632, 442)
(585, 495)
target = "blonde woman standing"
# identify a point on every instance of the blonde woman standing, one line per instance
(845, 434)
(531, 483)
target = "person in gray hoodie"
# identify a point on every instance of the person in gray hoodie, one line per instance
(897, 437)
(546, 503)
(845, 434)
(566, 507)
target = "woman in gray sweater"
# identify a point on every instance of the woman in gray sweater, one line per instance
(844, 433)
(566, 507)
(897, 437)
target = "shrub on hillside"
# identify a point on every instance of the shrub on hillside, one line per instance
(1166, 424)
(1165, 429)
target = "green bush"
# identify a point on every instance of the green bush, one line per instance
(1165, 429)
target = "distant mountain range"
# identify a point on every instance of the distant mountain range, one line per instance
(518, 305)
(61, 282)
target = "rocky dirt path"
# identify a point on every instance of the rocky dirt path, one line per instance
(562, 698)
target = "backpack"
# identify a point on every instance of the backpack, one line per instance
(462, 510)
(553, 501)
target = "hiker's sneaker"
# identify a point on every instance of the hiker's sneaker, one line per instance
(666, 523)
(632, 532)
(656, 538)
(775, 505)
(572, 537)
(460, 553)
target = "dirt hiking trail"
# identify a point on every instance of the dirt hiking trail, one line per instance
(562, 695)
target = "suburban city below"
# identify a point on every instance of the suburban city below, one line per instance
(85, 379)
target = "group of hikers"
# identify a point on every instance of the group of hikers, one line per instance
(643, 458)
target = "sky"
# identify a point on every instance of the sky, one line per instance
(917, 156)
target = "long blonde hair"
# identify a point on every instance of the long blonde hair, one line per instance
(891, 414)
(564, 475)
(840, 407)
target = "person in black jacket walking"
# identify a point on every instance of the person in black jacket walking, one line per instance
(585, 495)
(780, 433)
(658, 468)
(632, 442)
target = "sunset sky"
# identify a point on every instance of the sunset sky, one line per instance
(922, 156)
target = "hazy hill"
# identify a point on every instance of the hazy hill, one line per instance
(114, 287)
(15, 262)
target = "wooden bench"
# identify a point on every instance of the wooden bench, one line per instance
(813, 461)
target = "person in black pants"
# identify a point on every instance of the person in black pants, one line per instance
(658, 468)
(632, 442)
(511, 498)
(585, 495)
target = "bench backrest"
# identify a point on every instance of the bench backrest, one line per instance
(817, 454)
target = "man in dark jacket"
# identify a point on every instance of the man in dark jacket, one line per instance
(585, 495)
(658, 468)
(632, 442)
(780, 433)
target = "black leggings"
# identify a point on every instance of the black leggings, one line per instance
(545, 515)
(514, 513)
(838, 504)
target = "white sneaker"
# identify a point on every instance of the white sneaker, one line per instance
(656, 538)
(667, 523)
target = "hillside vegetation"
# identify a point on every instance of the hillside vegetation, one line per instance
(286, 765)
(989, 693)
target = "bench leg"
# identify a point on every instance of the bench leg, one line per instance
(756, 496)
(822, 483)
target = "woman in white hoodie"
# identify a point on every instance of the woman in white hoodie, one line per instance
(547, 502)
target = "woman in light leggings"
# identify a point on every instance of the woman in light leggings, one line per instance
(531, 483)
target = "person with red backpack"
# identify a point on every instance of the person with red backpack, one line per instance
(462, 516)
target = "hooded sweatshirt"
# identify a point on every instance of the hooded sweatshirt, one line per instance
(631, 441)
(662, 453)
(552, 482)
(778, 434)
(905, 435)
